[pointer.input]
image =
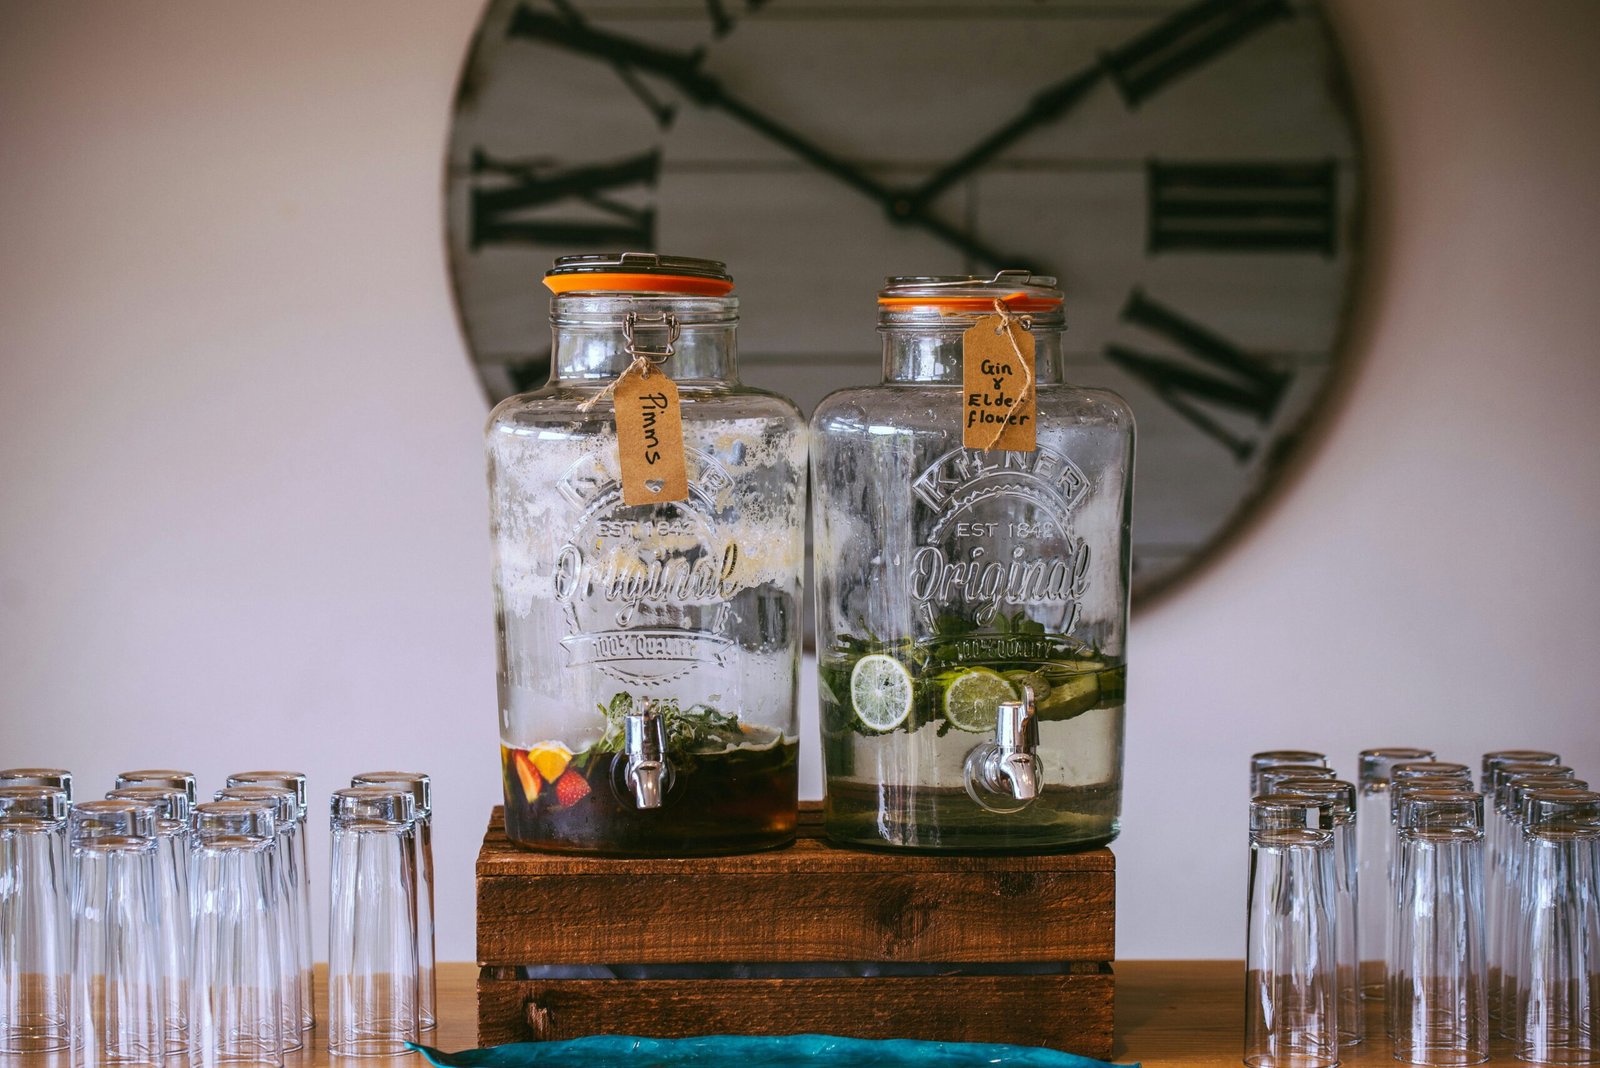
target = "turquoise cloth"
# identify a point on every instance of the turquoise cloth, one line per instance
(754, 1051)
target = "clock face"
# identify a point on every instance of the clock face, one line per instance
(1188, 170)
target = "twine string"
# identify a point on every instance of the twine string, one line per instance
(1009, 321)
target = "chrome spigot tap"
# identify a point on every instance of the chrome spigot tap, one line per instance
(647, 773)
(1004, 775)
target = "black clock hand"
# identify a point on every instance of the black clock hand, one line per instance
(682, 70)
(1047, 106)
(1141, 67)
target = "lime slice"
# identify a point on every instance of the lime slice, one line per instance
(1071, 696)
(880, 692)
(1035, 681)
(972, 700)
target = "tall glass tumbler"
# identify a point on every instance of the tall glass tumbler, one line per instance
(285, 820)
(1520, 793)
(1494, 829)
(1431, 769)
(1267, 758)
(53, 778)
(174, 920)
(1268, 779)
(1341, 799)
(1441, 1008)
(116, 987)
(1374, 850)
(372, 923)
(1512, 756)
(1291, 998)
(175, 777)
(1513, 783)
(421, 788)
(35, 921)
(1559, 973)
(300, 874)
(236, 1012)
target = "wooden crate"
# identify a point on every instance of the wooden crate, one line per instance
(813, 903)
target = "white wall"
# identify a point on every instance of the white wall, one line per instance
(243, 522)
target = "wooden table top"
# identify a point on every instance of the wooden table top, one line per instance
(1187, 1013)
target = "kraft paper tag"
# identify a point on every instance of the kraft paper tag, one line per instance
(650, 439)
(997, 386)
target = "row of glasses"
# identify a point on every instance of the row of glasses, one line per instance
(1555, 1010)
(1478, 897)
(1300, 966)
(382, 993)
(1549, 981)
(1291, 992)
(147, 895)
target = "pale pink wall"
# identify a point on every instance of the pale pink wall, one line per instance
(243, 516)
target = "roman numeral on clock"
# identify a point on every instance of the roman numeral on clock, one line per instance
(1183, 41)
(1214, 372)
(1243, 207)
(530, 203)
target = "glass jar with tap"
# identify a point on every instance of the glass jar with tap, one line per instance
(647, 651)
(972, 592)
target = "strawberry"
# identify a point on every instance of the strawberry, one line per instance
(571, 788)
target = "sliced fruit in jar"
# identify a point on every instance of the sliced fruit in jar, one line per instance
(1070, 696)
(526, 774)
(972, 699)
(571, 788)
(880, 692)
(550, 759)
(1033, 680)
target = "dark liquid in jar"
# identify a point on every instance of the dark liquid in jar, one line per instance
(738, 801)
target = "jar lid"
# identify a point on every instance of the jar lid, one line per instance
(639, 272)
(1021, 291)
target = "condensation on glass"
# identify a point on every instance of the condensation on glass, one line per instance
(971, 603)
(648, 654)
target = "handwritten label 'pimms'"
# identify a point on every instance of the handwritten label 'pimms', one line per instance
(998, 396)
(650, 439)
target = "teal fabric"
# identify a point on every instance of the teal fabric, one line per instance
(754, 1051)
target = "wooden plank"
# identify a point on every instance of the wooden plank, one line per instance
(814, 902)
(1069, 1012)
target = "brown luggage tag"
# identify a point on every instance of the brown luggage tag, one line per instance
(998, 389)
(650, 437)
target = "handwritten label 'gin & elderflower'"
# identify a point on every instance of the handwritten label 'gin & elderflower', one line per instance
(650, 438)
(998, 390)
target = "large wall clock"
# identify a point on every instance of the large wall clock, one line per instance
(1189, 170)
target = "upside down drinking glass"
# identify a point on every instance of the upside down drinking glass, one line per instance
(1291, 997)
(35, 921)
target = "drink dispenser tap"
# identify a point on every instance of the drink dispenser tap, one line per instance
(647, 772)
(1004, 775)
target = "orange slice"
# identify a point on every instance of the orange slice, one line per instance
(550, 759)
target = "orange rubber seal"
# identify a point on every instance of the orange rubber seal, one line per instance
(1017, 302)
(619, 282)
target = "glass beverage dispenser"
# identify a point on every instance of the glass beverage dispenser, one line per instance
(971, 519)
(647, 651)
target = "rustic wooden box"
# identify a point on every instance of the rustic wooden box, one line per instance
(812, 903)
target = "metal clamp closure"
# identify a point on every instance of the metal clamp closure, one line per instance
(662, 320)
